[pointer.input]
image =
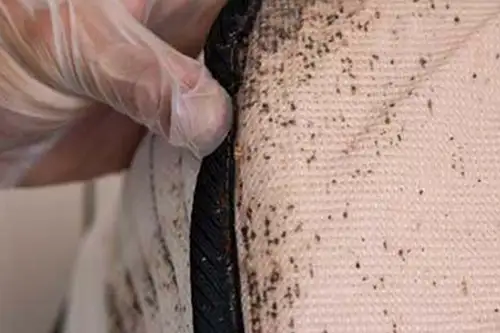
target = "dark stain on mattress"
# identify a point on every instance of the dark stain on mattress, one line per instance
(115, 320)
(133, 293)
(124, 313)
(281, 21)
(151, 296)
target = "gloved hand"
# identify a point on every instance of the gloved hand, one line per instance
(66, 64)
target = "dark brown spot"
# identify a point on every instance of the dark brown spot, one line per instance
(429, 104)
(423, 62)
(311, 158)
(275, 276)
(401, 254)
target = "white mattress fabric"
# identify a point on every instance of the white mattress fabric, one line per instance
(369, 168)
(132, 275)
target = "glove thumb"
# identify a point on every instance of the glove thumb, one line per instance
(174, 95)
(99, 50)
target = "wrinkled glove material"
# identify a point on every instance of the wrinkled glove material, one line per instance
(59, 58)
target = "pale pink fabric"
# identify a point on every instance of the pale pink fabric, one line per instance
(369, 168)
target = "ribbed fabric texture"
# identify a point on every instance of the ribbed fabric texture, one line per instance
(369, 168)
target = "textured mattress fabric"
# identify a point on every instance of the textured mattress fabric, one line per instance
(368, 167)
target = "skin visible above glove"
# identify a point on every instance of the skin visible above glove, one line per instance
(63, 60)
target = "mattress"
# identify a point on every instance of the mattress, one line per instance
(368, 182)
(358, 192)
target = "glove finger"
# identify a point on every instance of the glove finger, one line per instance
(172, 94)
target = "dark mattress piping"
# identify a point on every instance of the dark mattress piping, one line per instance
(214, 258)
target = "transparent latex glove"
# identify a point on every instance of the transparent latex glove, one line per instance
(67, 66)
